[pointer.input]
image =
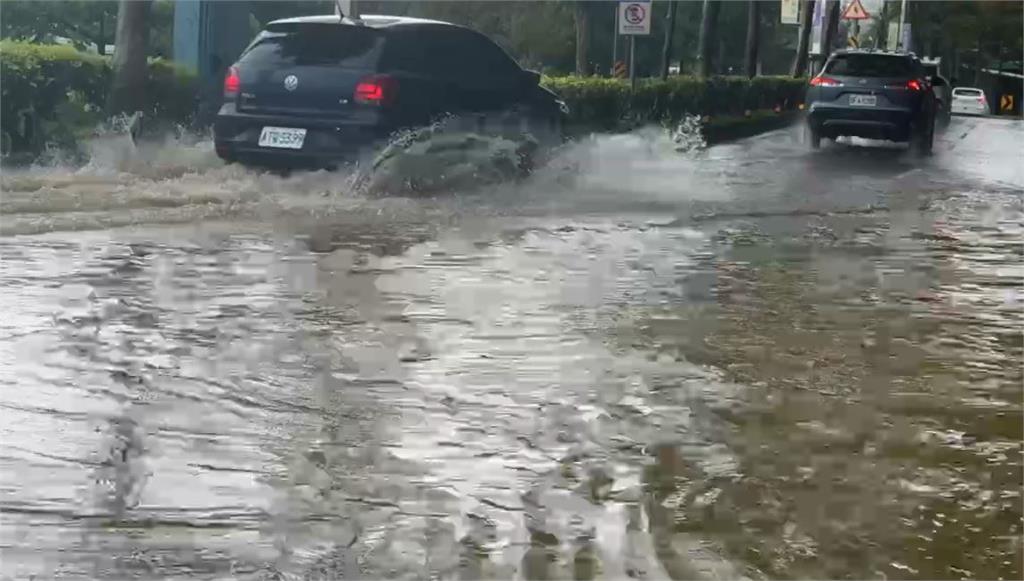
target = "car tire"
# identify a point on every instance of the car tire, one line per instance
(225, 154)
(923, 139)
(547, 130)
(813, 138)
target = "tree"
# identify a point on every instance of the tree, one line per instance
(753, 28)
(806, 21)
(129, 63)
(708, 35)
(582, 15)
(831, 40)
(670, 28)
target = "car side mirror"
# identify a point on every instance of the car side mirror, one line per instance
(531, 78)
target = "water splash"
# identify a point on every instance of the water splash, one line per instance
(688, 135)
(448, 157)
(175, 176)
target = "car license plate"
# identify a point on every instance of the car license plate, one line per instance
(863, 100)
(282, 137)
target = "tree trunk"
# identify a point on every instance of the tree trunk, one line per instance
(101, 44)
(804, 44)
(831, 27)
(127, 94)
(582, 38)
(753, 28)
(708, 35)
(666, 49)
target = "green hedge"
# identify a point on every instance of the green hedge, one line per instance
(67, 90)
(601, 103)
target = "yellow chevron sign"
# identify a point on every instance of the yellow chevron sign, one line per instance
(1006, 103)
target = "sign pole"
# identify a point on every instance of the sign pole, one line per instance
(615, 41)
(634, 17)
(632, 62)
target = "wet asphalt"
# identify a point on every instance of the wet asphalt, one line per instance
(755, 361)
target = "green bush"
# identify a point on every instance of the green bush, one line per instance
(601, 103)
(60, 90)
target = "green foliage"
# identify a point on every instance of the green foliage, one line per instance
(85, 22)
(60, 90)
(607, 103)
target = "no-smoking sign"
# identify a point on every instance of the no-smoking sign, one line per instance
(635, 17)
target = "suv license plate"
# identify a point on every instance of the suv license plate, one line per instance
(282, 137)
(863, 100)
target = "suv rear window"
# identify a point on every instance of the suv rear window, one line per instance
(315, 44)
(869, 65)
(967, 92)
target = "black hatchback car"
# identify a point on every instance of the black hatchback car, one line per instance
(322, 88)
(872, 94)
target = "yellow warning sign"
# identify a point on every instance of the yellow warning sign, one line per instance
(855, 11)
(1006, 103)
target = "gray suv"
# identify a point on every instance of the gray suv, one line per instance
(875, 95)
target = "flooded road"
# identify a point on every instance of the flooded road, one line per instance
(751, 362)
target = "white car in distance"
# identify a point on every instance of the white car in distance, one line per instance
(969, 101)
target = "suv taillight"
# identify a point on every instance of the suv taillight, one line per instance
(825, 82)
(376, 90)
(911, 85)
(232, 83)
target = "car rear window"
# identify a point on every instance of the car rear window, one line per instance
(967, 92)
(315, 44)
(869, 65)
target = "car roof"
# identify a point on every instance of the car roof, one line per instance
(368, 20)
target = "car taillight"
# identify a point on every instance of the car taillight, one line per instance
(914, 85)
(232, 83)
(825, 82)
(376, 90)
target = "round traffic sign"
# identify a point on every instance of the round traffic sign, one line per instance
(635, 14)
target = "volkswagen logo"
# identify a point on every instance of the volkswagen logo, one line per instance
(291, 82)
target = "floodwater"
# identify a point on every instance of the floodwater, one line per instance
(754, 361)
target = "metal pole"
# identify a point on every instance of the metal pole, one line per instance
(632, 61)
(899, 29)
(615, 41)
